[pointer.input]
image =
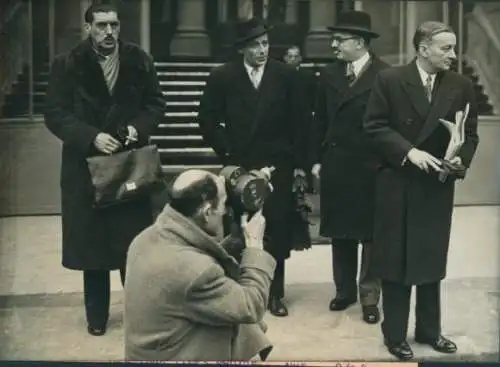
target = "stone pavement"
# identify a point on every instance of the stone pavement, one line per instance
(42, 317)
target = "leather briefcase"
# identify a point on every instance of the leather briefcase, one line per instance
(125, 176)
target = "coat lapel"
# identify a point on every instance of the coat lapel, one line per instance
(442, 99)
(267, 89)
(412, 84)
(90, 77)
(242, 82)
(364, 82)
(263, 96)
(337, 78)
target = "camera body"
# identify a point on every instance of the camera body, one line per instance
(246, 193)
(246, 190)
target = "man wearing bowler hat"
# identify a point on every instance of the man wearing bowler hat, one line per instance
(251, 114)
(345, 164)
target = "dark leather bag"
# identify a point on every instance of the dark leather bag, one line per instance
(125, 176)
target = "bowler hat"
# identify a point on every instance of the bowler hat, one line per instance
(355, 22)
(249, 29)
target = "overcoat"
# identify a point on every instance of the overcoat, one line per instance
(413, 208)
(347, 177)
(262, 127)
(187, 299)
(78, 107)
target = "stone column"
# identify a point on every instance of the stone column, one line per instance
(411, 26)
(222, 11)
(191, 38)
(145, 26)
(245, 9)
(322, 13)
(291, 12)
(68, 24)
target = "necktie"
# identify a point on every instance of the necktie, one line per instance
(428, 88)
(253, 77)
(350, 73)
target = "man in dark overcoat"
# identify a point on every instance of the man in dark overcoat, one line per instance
(251, 115)
(99, 87)
(413, 207)
(344, 161)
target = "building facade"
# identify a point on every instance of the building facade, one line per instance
(32, 32)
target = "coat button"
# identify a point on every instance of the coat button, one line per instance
(409, 122)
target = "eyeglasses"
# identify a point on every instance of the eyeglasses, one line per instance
(341, 39)
(104, 25)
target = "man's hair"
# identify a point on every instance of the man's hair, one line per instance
(189, 193)
(426, 30)
(293, 47)
(98, 8)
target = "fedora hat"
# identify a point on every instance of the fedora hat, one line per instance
(249, 29)
(355, 22)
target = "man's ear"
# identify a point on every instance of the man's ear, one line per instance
(204, 211)
(86, 28)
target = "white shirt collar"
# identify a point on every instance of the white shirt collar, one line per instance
(249, 68)
(360, 63)
(423, 75)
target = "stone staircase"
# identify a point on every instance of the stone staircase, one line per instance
(178, 136)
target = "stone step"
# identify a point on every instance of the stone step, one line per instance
(163, 66)
(182, 106)
(174, 157)
(184, 114)
(182, 83)
(178, 168)
(183, 75)
(166, 129)
(183, 103)
(185, 142)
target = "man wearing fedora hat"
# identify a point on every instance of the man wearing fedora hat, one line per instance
(344, 163)
(252, 115)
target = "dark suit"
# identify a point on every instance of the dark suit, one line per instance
(413, 208)
(263, 127)
(347, 175)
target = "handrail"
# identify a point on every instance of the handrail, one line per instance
(14, 46)
(483, 52)
(10, 10)
(484, 22)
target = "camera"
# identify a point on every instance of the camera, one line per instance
(246, 191)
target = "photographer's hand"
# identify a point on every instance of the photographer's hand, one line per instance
(253, 230)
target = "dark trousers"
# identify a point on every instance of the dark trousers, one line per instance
(277, 289)
(396, 306)
(345, 271)
(97, 292)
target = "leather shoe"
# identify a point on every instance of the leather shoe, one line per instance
(441, 344)
(401, 351)
(277, 307)
(371, 315)
(340, 304)
(96, 331)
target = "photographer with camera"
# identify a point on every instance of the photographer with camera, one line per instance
(186, 297)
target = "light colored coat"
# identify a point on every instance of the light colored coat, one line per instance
(186, 298)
